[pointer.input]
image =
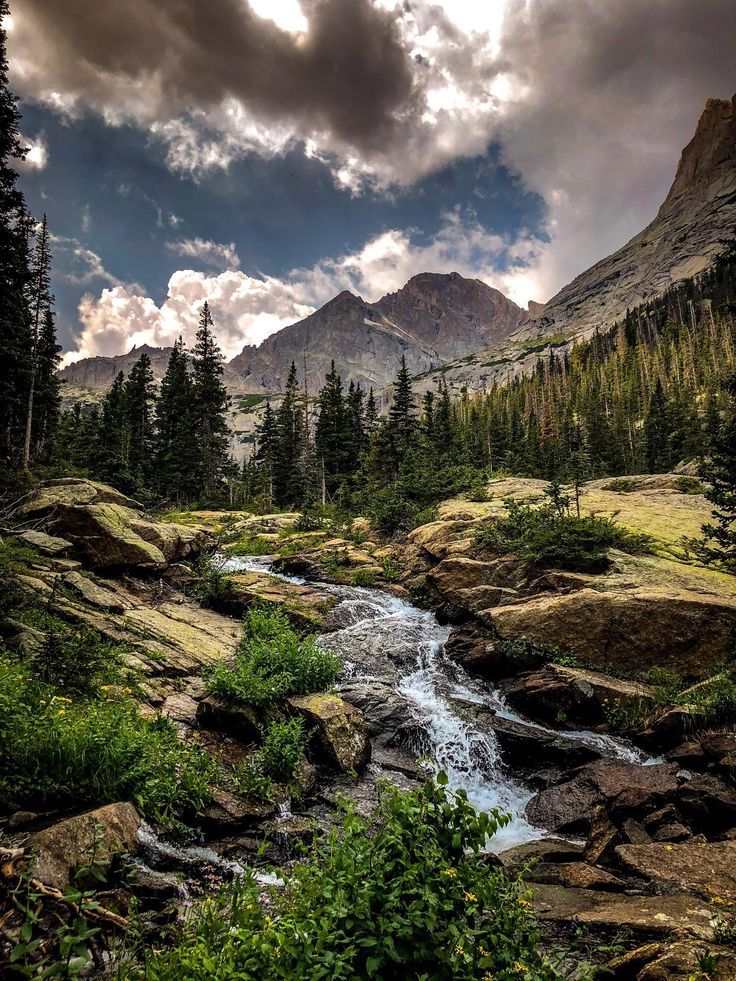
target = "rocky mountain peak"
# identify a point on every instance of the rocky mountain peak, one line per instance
(713, 147)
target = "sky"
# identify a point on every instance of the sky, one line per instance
(266, 154)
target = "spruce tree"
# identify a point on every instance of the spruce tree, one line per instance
(289, 483)
(334, 434)
(402, 422)
(266, 440)
(40, 309)
(47, 402)
(15, 229)
(211, 403)
(719, 470)
(176, 453)
(139, 395)
(371, 412)
(112, 462)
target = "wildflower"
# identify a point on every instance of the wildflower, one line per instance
(60, 698)
(104, 688)
(470, 897)
(519, 968)
(62, 712)
(450, 873)
(458, 949)
(525, 903)
(487, 976)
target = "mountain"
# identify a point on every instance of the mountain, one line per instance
(696, 220)
(434, 318)
(100, 372)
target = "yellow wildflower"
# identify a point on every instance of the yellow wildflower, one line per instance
(487, 976)
(62, 712)
(470, 897)
(458, 949)
(60, 698)
(104, 688)
(524, 902)
(450, 873)
(519, 968)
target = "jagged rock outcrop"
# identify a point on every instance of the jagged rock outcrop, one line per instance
(108, 529)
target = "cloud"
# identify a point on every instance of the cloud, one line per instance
(207, 252)
(590, 102)
(37, 155)
(247, 309)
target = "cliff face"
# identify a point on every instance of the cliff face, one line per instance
(696, 219)
(100, 372)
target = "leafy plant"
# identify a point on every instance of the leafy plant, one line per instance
(364, 577)
(56, 750)
(276, 761)
(273, 662)
(549, 537)
(404, 896)
(689, 485)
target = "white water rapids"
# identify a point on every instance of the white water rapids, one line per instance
(381, 637)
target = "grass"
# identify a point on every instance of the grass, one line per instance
(57, 750)
(251, 545)
(273, 662)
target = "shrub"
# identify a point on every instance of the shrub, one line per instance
(546, 536)
(689, 485)
(713, 701)
(57, 750)
(251, 545)
(621, 485)
(364, 577)
(273, 662)
(403, 897)
(391, 571)
(276, 761)
(74, 659)
(214, 588)
(390, 511)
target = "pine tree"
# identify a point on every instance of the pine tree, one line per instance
(176, 453)
(139, 395)
(289, 484)
(47, 402)
(40, 303)
(334, 432)
(211, 403)
(15, 229)
(112, 463)
(720, 472)
(402, 422)
(371, 413)
(266, 441)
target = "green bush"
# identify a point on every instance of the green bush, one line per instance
(251, 545)
(276, 761)
(273, 662)
(713, 701)
(402, 896)
(621, 485)
(390, 511)
(74, 659)
(689, 485)
(58, 750)
(548, 537)
(364, 577)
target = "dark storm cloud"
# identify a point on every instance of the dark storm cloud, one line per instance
(348, 74)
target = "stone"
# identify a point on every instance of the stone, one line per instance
(45, 544)
(683, 960)
(22, 819)
(626, 967)
(529, 748)
(242, 722)
(94, 593)
(385, 711)
(180, 708)
(568, 807)
(549, 850)
(708, 802)
(340, 734)
(643, 916)
(153, 885)
(668, 729)
(603, 836)
(227, 812)
(678, 628)
(107, 529)
(305, 606)
(579, 875)
(707, 869)
(634, 832)
(70, 844)
(557, 692)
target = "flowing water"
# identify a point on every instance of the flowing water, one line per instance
(383, 638)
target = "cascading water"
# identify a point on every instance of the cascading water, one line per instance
(381, 637)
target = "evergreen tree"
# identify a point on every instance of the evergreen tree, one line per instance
(40, 309)
(111, 463)
(176, 452)
(15, 276)
(289, 482)
(720, 472)
(47, 402)
(266, 443)
(334, 433)
(211, 403)
(139, 395)
(371, 413)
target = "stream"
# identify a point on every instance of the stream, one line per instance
(385, 641)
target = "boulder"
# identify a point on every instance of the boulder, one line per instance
(305, 606)
(705, 868)
(528, 748)
(107, 529)
(670, 627)
(227, 812)
(45, 544)
(385, 711)
(609, 912)
(69, 845)
(568, 807)
(92, 592)
(556, 693)
(579, 875)
(242, 722)
(548, 850)
(684, 960)
(708, 802)
(340, 735)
